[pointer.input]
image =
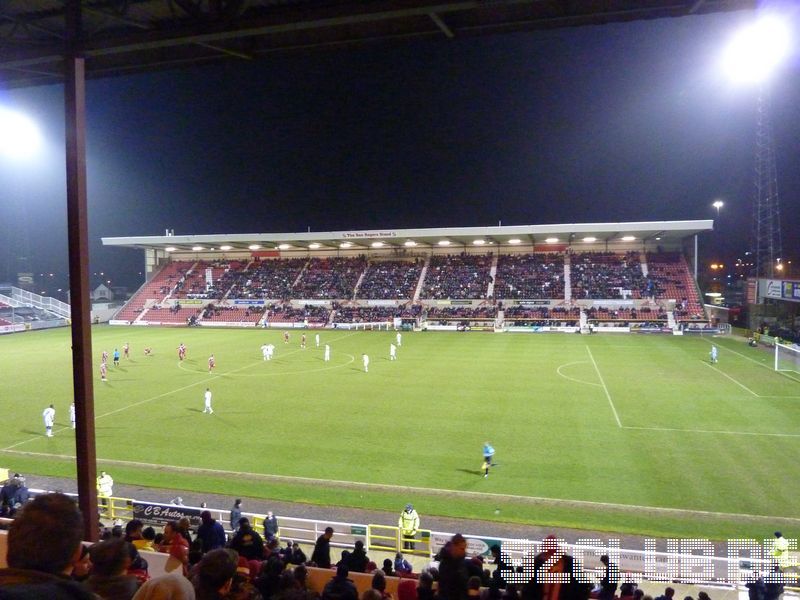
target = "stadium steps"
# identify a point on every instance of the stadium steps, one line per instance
(358, 283)
(671, 323)
(643, 258)
(421, 282)
(567, 279)
(300, 274)
(230, 289)
(492, 276)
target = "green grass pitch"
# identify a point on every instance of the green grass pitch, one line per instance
(597, 432)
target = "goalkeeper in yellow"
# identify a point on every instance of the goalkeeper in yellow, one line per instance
(409, 525)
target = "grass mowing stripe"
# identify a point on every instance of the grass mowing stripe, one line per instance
(406, 489)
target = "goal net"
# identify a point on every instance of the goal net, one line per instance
(787, 358)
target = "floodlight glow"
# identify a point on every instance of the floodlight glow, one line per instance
(284, 247)
(755, 52)
(345, 245)
(628, 238)
(19, 136)
(197, 248)
(718, 204)
(410, 243)
(225, 248)
(515, 241)
(589, 239)
(479, 242)
(377, 244)
(170, 248)
(313, 246)
(254, 247)
(444, 242)
(551, 240)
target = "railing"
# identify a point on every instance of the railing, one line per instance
(685, 561)
(52, 305)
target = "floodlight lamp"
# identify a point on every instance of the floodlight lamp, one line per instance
(478, 242)
(515, 241)
(284, 247)
(589, 239)
(444, 242)
(551, 240)
(197, 248)
(377, 244)
(757, 50)
(628, 238)
(313, 246)
(254, 247)
(345, 245)
(170, 248)
(225, 248)
(718, 204)
(410, 243)
(19, 135)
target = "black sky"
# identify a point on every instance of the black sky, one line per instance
(611, 123)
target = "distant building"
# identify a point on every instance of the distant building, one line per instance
(102, 293)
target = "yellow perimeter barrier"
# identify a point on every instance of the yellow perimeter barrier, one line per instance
(391, 539)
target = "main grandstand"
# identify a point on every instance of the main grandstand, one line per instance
(558, 277)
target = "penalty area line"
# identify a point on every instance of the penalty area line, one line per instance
(724, 374)
(384, 487)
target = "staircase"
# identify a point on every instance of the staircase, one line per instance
(492, 275)
(671, 322)
(643, 258)
(418, 291)
(499, 319)
(567, 280)
(584, 320)
(358, 283)
(300, 274)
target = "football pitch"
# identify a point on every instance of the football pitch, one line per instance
(615, 433)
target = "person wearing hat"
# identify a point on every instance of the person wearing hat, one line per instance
(409, 525)
(780, 550)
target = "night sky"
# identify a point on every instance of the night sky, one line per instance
(619, 122)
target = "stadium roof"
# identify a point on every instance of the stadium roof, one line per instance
(128, 36)
(647, 231)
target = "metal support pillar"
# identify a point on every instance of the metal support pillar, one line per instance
(78, 237)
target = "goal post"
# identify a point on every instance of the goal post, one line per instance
(787, 358)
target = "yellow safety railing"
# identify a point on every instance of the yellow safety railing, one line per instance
(383, 537)
(115, 508)
(390, 539)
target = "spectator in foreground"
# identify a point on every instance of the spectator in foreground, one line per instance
(425, 586)
(379, 584)
(358, 558)
(669, 593)
(210, 533)
(215, 573)
(453, 572)
(322, 550)
(247, 542)
(44, 543)
(340, 587)
(172, 586)
(110, 562)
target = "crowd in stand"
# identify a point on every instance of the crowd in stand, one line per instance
(289, 314)
(390, 279)
(541, 313)
(529, 276)
(213, 311)
(330, 278)
(626, 314)
(458, 276)
(462, 312)
(271, 278)
(366, 314)
(607, 275)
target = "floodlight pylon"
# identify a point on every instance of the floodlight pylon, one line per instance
(766, 235)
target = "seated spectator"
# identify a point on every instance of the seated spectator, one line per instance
(340, 587)
(44, 544)
(175, 545)
(474, 587)
(214, 574)
(358, 558)
(379, 584)
(401, 565)
(82, 568)
(387, 567)
(459, 276)
(425, 586)
(110, 562)
(298, 556)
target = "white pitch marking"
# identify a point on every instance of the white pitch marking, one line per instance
(723, 373)
(406, 489)
(145, 401)
(608, 395)
(760, 364)
(577, 362)
(719, 431)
